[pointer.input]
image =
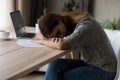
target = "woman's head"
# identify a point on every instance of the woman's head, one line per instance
(55, 25)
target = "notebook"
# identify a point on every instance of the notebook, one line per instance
(19, 26)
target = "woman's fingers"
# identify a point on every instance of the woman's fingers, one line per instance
(56, 40)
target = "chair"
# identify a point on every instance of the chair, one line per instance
(116, 47)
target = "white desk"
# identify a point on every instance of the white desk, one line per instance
(17, 61)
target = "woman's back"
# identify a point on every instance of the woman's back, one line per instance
(93, 44)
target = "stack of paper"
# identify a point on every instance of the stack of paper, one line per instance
(28, 43)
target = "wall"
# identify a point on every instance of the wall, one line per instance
(56, 5)
(106, 9)
(103, 9)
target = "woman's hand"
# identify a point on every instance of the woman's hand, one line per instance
(56, 40)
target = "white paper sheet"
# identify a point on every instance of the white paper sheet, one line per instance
(28, 43)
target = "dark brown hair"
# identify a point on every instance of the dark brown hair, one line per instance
(48, 22)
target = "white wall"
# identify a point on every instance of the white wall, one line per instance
(106, 9)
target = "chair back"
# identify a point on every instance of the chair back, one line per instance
(116, 47)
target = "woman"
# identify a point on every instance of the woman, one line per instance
(83, 33)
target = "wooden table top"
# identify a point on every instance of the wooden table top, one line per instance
(17, 61)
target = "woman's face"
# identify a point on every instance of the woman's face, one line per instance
(59, 31)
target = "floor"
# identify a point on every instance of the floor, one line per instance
(34, 76)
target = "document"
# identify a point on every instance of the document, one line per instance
(28, 43)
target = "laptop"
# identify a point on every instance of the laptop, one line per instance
(19, 26)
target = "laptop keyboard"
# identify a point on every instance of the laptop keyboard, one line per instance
(28, 35)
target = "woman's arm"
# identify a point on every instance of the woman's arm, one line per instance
(57, 43)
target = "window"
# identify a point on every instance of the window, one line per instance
(6, 6)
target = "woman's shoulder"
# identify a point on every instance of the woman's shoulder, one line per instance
(84, 21)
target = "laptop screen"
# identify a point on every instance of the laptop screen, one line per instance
(18, 23)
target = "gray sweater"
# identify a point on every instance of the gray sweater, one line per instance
(91, 41)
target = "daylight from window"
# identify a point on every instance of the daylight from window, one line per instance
(6, 6)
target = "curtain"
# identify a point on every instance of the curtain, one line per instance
(24, 7)
(86, 6)
(90, 6)
(7, 6)
(36, 10)
(81, 5)
(31, 10)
